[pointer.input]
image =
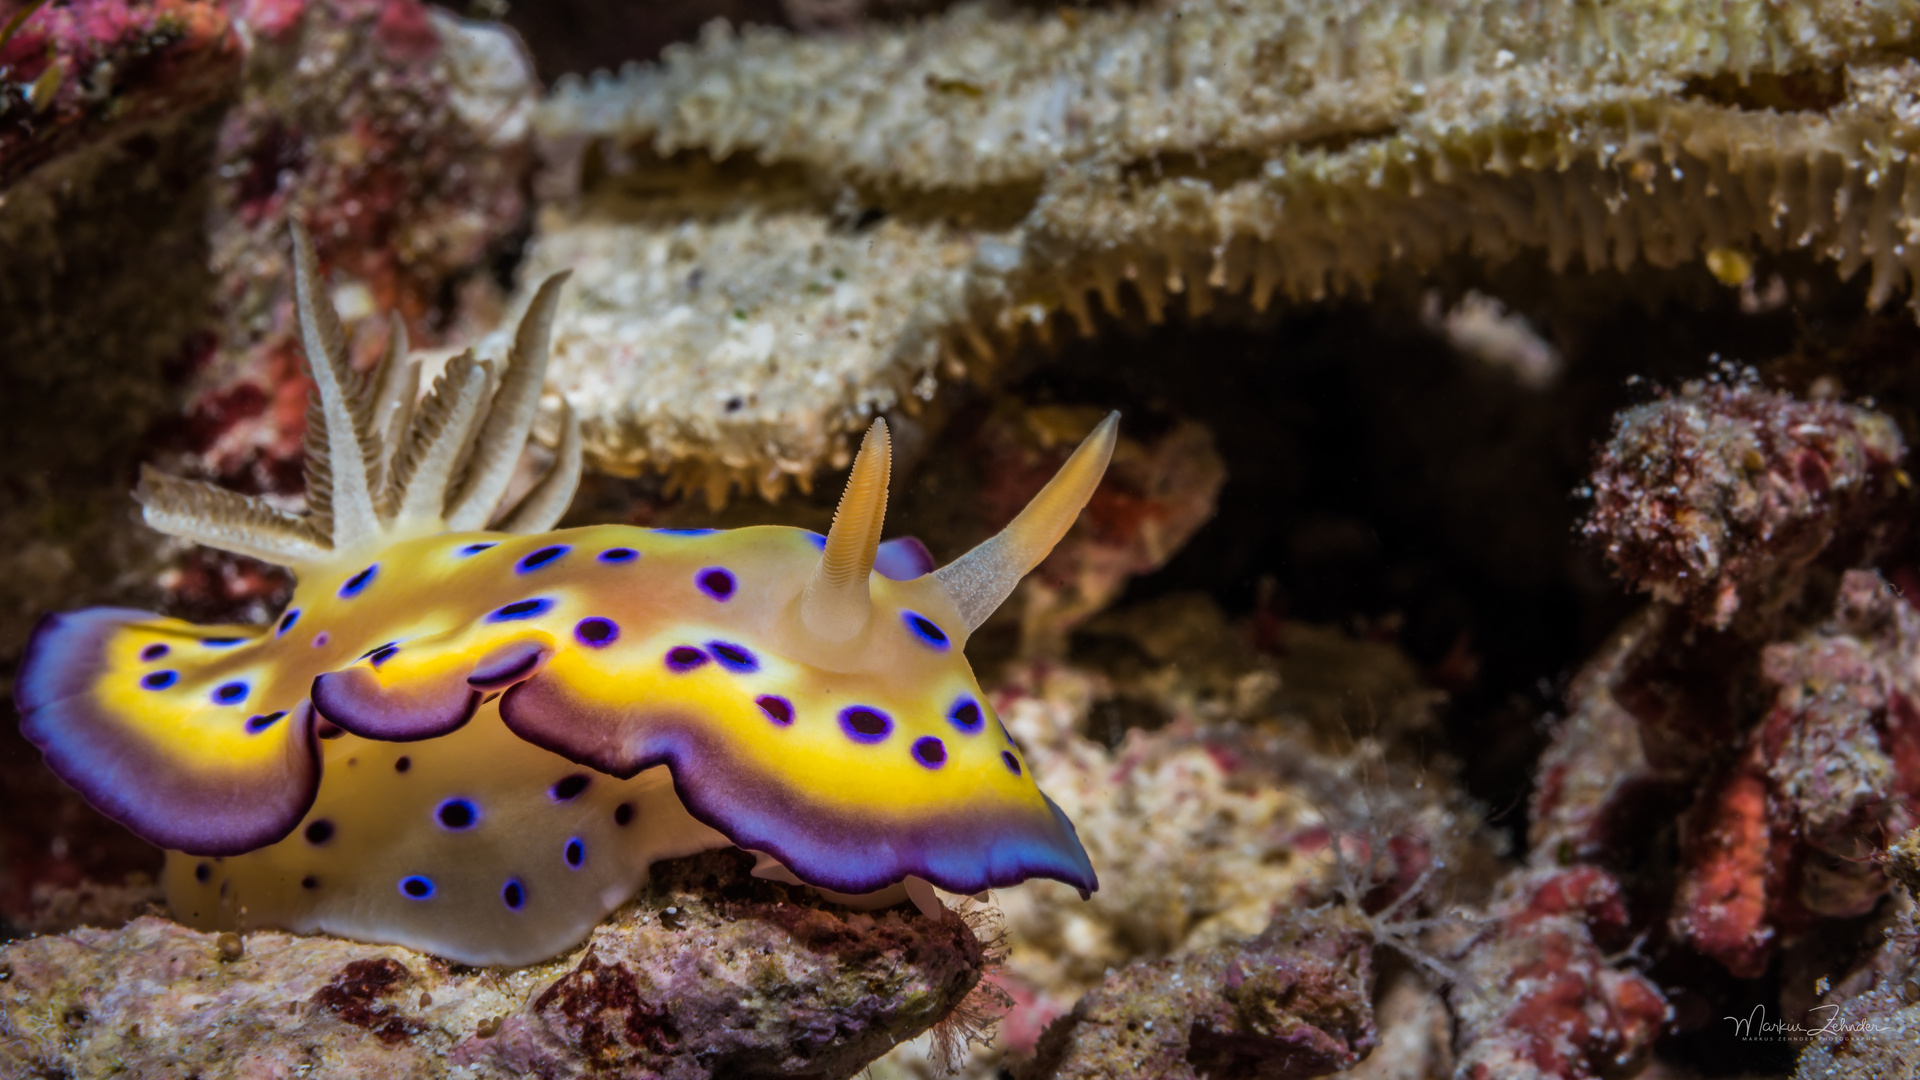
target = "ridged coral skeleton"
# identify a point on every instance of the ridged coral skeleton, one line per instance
(1042, 165)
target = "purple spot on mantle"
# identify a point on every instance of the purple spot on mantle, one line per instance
(154, 652)
(521, 609)
(778, 709)
(287, 621)
(685, 658)
(965, 715)
(258, 724)
(320, 639)
(929, 751)
(865, 725)
(715, 581)
(568, 787)
(541, 558)
(575, 853)
(354, 585)
(514, 894)
(416, 887)
(597, 633)
(159, 680)
(458, 815)
(1012, 763)
(229, 693)
(618, 555)
(924, 628)
(734, 657)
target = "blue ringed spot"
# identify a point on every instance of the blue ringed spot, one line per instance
(926, 630)
(684, 658)
(228, 693)
(258, 724)
(475, 549)
(597, 633)
(382, 654)
(929, 751)
(1012, 763)
(541, 558)
(513, 894)
(221, 642)
(356, 584)
(154, 652)
(684, 532)
(575, 853)
(521, 609)
(965, 715)
(287, 621)
(319, 832)
(618, 555)
(159, 680)
(416, 887)
(865, 725)
(459, 815)
(778, 709)
(734, 657)
(715, 581)
(568, 787)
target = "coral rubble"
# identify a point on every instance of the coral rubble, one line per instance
(1538, 996)
(1703, 497)
(1032, 166)
(1296, 1001)
(711, 973)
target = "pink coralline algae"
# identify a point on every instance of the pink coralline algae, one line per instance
(711, 974)
(1832, 770)
(1295, 1001)
(1713, 498)
(1537, 996)
(76, 72)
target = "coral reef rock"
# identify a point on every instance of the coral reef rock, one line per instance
(904, 202)
(1537, 996)
(1869, 1026)
(1706, 496)
(1833, 767)
(712, 973)
(1296, 1001)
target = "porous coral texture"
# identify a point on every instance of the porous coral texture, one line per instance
(1296, 1001)
(1035, 165)
(1714, 498)
(1538, 996)
(711, 974)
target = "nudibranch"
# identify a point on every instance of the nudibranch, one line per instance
(475, 741)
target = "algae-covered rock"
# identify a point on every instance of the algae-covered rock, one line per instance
(712, 973)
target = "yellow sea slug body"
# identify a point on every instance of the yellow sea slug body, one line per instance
(476, 742)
